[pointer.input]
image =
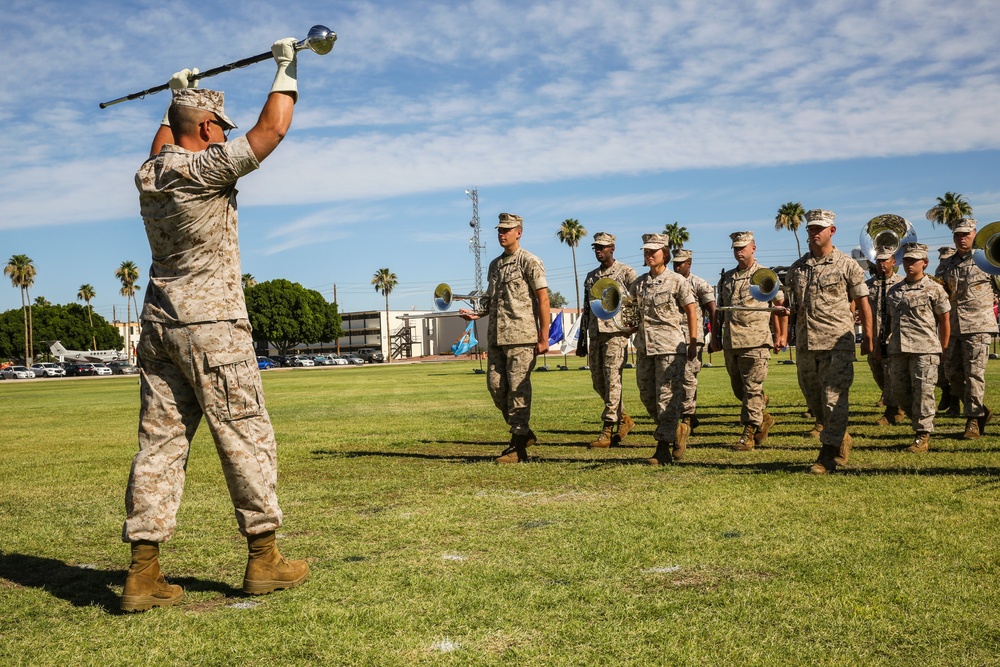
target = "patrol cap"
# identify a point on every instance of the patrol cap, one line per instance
(946, 251)
(964, 226)
(203, 98)
(604, 239)
(682, 255)
(741, 239)
(655, 241)
(914, 251)
(509, 221)
(884, 252)
(819, 217)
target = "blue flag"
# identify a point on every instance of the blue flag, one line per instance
(556, 330)
(466, 342)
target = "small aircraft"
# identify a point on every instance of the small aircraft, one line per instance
(94, 356)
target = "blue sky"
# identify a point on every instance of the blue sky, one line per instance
(626, 116)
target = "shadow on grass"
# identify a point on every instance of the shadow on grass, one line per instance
(84, 586)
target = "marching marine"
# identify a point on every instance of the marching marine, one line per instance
(704, 295)
(883, 277)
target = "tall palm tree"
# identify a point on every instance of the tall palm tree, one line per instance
(248, 280)
(570, 232)
(791, 216)
(21, 272)
(87, 293)
(678, 236)
(128, 274)
(949, 209)
(385, 281)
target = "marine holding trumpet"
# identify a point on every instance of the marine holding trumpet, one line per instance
(747, 332)
(605, 343)
(663, 346)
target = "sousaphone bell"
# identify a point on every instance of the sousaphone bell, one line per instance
(886, 231)
(986, 248)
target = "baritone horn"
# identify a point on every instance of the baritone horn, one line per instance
(764, 286)
(986, 248)
(886, 231)
(608, 303)
(443, 297)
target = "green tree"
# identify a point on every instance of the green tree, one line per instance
(570, 232)
(557, 300)
(385, 281)
(21, 272)
(791, 216)
(87, 293)
(678, 236)
(285, 315)
(949, 209)
(128, 274)
(72, 324)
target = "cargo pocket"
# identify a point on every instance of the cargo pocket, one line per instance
(235, 382)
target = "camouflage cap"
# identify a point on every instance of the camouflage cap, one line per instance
(655, 241)
(914, 251)
(203, 98)
(509, 221)
(819, 217)
(884, 252)
(964, 226)
(946, 251)
(604, 239)
(741, 239)
(682, 255)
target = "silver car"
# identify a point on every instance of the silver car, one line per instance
(17, 373)
(302, 360)
(48, 370)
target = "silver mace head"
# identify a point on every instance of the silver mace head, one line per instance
(320, 40)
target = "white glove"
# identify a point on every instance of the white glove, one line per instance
(286, 79)
(178, 81)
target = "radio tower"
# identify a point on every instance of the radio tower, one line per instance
(474, 244)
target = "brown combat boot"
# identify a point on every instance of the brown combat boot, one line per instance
(844, 453)
(826, 461)
(145, 586)
(680, 446)
(267, 570)
(517, 452)
(887, 417)
(984, 420)
(760, 435)
(662, 455)
(971, 429)
(746, 441)
(817, 429)
(920, 444)
(604, 440)
(625, 427)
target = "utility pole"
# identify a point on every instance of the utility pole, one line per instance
(475, 246)
(338, 313)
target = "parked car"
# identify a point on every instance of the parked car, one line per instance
(322, 360)
(122, 368)
(263, 363)
(338, 360)
(89, 369)
(17, 373)
(301, 361)
(351, 359)
(48, 370)
(370, 355)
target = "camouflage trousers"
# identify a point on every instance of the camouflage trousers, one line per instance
(660, 379)
(747, 368)
(508, 377)
(691, 369)
(825, 378)
(965, 368)
(883, 378)
(913, 379)
(606, 357)
(185, 373)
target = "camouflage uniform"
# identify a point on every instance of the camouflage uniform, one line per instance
(746, 342)
(915, 347)
(821, 291)
(704, 295)
(196, 355)
(607, 350)
(661, 347)
(880, 367)
(512, 334)
(971, 292)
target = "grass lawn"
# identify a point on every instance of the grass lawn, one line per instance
(425, 552)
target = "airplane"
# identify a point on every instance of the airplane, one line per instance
(94, 356)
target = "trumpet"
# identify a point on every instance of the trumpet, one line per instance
(608, 303)
(886, 231)
(986, 248)
(764, 286)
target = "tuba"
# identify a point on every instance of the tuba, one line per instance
(886, 231)
(764, 286)
(608, 303)
(986, 248)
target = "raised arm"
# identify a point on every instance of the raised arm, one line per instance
(276, 116)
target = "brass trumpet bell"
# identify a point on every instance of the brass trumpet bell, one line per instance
(886, 231)
(606, 299)
(443, 296)
(986, 248)
(764, 285)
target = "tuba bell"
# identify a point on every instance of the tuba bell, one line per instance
(608, 303)
(886, 231)
(986, 248)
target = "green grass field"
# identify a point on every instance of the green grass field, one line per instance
(425, 552)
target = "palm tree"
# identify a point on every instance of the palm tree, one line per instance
(87, 293)
(21, 272)
(791, 216)
(248, 280)
(570, 232)
(385, 281)
(949, 209)
(128, 274)
(678, 236)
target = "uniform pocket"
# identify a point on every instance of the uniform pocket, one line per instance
(232, 371)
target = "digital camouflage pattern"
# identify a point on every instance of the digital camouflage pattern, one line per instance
(913, 309)
(659, 379)
(660, 300)
(747, 368)
(606, 356)
(510, 298)
(820, 292)
(825, 378)
(880, 323)
(914, 377)
(965, 367)
(743, 328)
(704, 295)
(624, 275)
(508, 378)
